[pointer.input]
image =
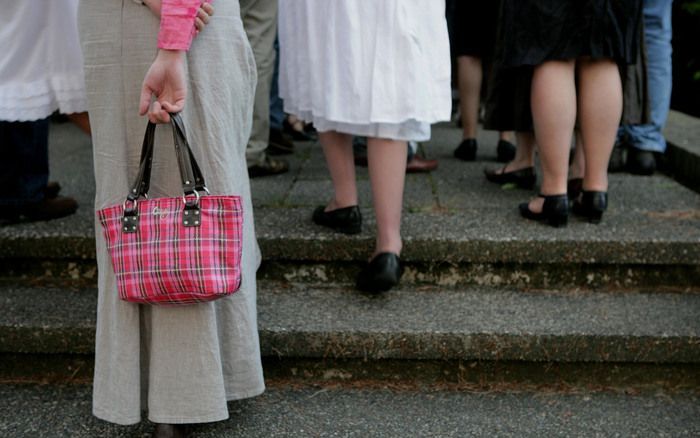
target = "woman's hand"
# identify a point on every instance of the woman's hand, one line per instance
(204, 13)
(167, 81)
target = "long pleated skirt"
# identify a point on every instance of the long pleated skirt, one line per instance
(181, 364)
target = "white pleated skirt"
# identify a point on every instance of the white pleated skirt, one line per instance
(41, 65)
(366, 67)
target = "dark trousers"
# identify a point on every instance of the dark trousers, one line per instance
(24, 161)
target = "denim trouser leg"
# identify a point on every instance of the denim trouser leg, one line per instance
(24, 167)
(657, 35)
(276, 103)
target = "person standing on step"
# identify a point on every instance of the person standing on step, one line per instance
(575, 48)
(374, 69)
(260, 23)
(183, 363)
(643, 141)
(476, 24)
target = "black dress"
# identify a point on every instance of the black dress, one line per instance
(535, 31)
(508, 99)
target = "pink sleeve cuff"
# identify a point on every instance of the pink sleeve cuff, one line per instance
(177, 24)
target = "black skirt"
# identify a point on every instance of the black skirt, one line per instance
(535, 31)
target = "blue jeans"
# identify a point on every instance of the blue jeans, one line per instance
(657, 36)
(24, 167)
(276, 103)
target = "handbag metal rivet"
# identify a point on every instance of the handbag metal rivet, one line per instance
(196, 222)
(187, 213)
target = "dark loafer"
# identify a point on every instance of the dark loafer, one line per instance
(268, 167)
(523, 178)
(346, 220)
(381, 274)
(466, 150)
(640, 162)
(163, 430)
(51, 190)
(279, 144)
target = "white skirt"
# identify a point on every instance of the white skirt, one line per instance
(366, 67)
(41, 65)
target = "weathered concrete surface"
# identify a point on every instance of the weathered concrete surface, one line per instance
(41, 411)
(419, 374)
(682, 133)
(467, 324)
(452, 215)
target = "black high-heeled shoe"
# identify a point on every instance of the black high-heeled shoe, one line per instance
(347, 220)
(381, 274)
(524, 178)
(555, 210)
(591, 205)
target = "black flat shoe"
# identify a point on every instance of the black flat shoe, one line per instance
(346, 220)
(591, 205)
(505, 151)
(523, 178)
(555, 210)
(466, 150)
(381, 274)
(640, 162)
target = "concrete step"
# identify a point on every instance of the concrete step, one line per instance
(458, 228)
(408, 324)
(284, 411)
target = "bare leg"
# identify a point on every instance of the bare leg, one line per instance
(387, 172)
(470, 75)
(600, 110)
(578, 164)
(553, 101)
(506, 135)
(337, 148)
(81, 120)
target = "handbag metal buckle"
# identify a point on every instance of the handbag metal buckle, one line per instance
(130, 219)
(191, 216)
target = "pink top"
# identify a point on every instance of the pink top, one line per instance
(177, 23)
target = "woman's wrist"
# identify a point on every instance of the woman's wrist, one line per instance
(171, 54)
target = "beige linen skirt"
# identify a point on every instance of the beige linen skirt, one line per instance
(181, 364)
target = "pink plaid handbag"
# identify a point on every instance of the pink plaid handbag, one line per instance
(178, 250)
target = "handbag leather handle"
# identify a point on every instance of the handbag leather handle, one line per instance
(191, 175)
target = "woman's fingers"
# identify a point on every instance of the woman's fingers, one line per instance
(208, 8)
(156, 114)
(203, 15)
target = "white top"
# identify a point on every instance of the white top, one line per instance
(41, 65)
(370, 63)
